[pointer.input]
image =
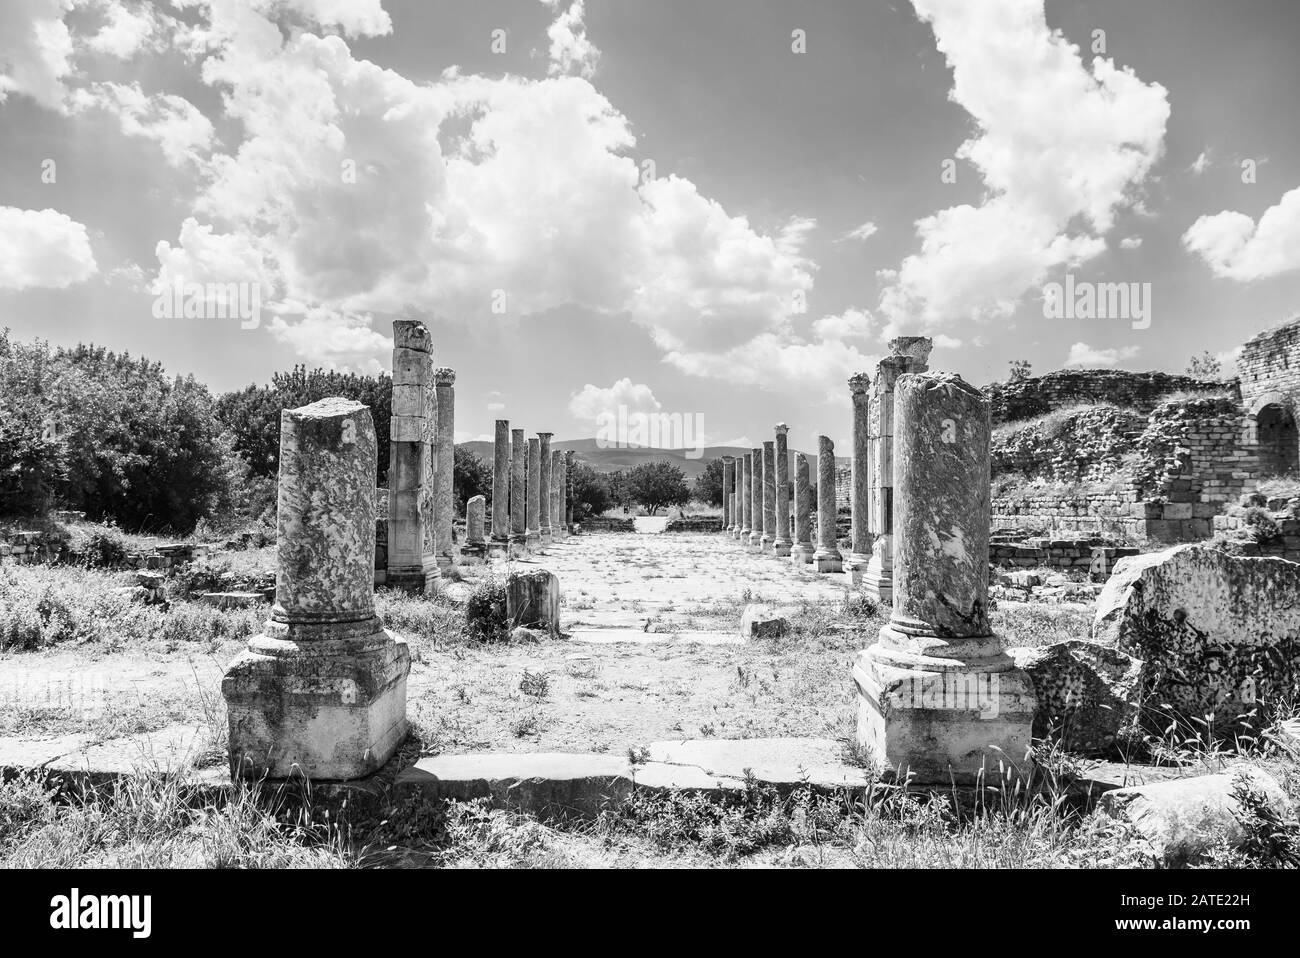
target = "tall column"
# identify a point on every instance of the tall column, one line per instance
(743, 498)
(557, 495)
(474, 551)
(768, 542)
(568, 489)
(938, 697)
(783, 542)
(407, 464)
(322, 691)
(518, 493)
(756, 499)
(544, 487)
(859, 496)
(728, 481)
(444, 460)
(498, 546)
(533, 497)
(802, 550)
(827, 557)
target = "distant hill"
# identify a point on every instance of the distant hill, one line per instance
(612, 460)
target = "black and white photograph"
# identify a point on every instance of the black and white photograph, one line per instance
(771, 436)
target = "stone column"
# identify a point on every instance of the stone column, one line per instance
(322, 691)
(444, 459)
(938, 697)
(860, 497)
(544, 487)
(533, 497)
(518, 493)
(768, 541)
(827, 557)
(728, 482)
(742, 498)
(908, 354)
(474, 551)
(568, 489)
(557, 495)
(756, 498)
(498, 547)
(406, 452)
(802, 550)
(783, 542)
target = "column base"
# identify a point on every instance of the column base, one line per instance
(935, 711)
(498, 549)
(473, 553)
(742, 535)
(327, 709)
(547, 537)
(879, 587)
(801, 553)
(766, 544)
(755, 540)
(414, 581)
(827, 562)
(533, 542)
(781, 548)
(518, 547)
(444, 562)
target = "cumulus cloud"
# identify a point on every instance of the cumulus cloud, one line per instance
(1236, 247)
(126, 29)
(861, 233)
(181, 131)
(1061, 147)
(592, 402)
(42, 248)
(571, 50)
(1081, 354)
(1130, 242)
(35, 50)
(1200, 164)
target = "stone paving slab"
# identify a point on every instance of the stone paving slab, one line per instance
(777, 761)
(642, 637)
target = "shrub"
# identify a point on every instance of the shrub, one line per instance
(485, 612)
(1262, 526)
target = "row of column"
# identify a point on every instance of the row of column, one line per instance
(530, 492)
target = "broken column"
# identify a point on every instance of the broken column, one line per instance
(756, 499)
(742, 498)
(939, 700)
(728, 481)
(827, 557)
(407, 466)
(544, 487)
(802, 550)
(768, 541)
(518, 488)
(860, 501)
(322, 691)
(783, 542)
(499, 546)
(532, 495)
(474, 551)
(908, 354)
(444, 461)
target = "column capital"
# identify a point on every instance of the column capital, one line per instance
(782, 429)
(444, 376)
(859, 383)
(545, 435)
(915, 349)
(411, 334)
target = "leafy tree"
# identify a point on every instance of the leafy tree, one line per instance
(1205, 366)
(471, 477)
(1020, 369)
(708, 484)
(588, 491)
(616, 485)
(656, 484)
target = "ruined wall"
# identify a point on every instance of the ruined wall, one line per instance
(1089, 445)
(1026, 398)
(1269, 367)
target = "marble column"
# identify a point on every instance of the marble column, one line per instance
(533, 495)
(859, 495)
(544, 487)
(518, 493)
(408, 515)
(499, 545)
(568, 489)
(474, 551)
(728, 480)
(444, 460)
(768, 542)
(827, 556)
(743, 498)
(557, 495)
(783, 543)
(802, 550)
(756, 499)
(908, 354)
(322, 691)
(939, 699)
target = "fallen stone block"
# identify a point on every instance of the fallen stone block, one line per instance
(533, 599)
(1182, 818)
(1086, 694)
(763, 622)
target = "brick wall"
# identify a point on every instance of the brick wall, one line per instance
(1270, 363)
(1026, 398)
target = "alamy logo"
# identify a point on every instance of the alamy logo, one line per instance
(655, 430)
(75, 911)
(1084, 300)
(182, 300)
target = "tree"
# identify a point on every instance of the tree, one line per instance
(470, 477)
(588, 491)
(616, 487)
(708, 484)
(1020, 369)
(655, 484)
(1205, 366)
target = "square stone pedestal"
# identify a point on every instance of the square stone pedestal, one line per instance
(473, 553)
(783, 549)
(497, 549)
(827, 563)
(331, 708)
(943, 720)
(801, 555)
(855, 568)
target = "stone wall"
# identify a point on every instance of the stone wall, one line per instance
(694, 524)
(1042, 552)
(1027, 398)
(1269, 366)
(1089, 445)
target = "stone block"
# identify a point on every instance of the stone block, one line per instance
(763, 622)
(533, 599)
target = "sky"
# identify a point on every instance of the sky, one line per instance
(713, 208)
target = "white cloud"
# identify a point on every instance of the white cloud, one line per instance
(592, 401)
(35, 50)
(850, 324)
(181, 131)
(334, 339)
(496, 406)
(1200, 164)
(1235, 247)
(42, 248)
(861, 233)
(571, 50)
(1053, 185)
(126, 28)
(1130, 242)
(1081, 354)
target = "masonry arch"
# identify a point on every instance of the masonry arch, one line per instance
(1277, 436)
